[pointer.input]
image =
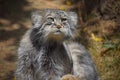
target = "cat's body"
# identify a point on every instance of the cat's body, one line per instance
(47, 53)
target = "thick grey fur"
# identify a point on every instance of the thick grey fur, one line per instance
(43, 58)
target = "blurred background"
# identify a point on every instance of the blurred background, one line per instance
(99, 31)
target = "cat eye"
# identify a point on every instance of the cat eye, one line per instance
(50, 19)
(63, 19)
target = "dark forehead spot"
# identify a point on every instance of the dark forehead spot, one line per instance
(61, 13)
(51, 14)
(54, 12)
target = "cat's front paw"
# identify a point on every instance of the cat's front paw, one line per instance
(69, 77)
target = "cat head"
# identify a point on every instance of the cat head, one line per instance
(55, 25)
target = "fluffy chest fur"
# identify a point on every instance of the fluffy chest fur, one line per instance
(52, 61)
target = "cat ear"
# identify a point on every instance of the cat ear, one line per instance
(36, 18)
(74, 17)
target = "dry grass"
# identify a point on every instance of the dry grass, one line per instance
(105, 53)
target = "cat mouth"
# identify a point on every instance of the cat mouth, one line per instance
(57, 35)
(57, 32)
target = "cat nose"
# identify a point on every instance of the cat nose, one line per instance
(59, 26)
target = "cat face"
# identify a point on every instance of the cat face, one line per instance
(54, 24)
